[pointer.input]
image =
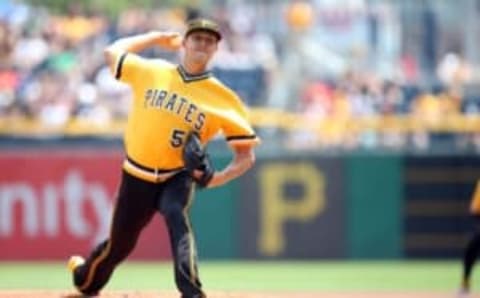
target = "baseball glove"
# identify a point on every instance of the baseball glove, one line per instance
(195, 157)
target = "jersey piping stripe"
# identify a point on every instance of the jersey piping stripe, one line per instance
(187, 78)
(191, 242)
(118, 69)
(236, 138)
(96, 261)
(159, 177)
(152, 170)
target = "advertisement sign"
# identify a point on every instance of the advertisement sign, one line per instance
(293, 208)
(55, 203)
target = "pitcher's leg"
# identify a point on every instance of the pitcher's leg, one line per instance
(174, 205)
(184, 252)
(469, 258)
(134, 208)
(470, 255)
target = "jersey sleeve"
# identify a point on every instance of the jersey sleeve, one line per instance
(129, 67)
(236, 127)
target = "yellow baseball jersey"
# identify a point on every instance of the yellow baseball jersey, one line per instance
(475, 201)
(168, 103)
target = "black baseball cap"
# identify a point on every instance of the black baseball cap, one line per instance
(202, 24)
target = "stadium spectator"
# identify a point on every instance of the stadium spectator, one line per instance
(278, 62)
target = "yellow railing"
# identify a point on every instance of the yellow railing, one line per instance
(397, 123)
(260, 117)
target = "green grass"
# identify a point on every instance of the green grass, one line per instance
(258, 276)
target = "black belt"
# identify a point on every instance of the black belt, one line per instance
(151, 170)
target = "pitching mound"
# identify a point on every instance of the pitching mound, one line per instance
(217, 294)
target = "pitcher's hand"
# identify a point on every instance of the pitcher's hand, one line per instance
(171, 41)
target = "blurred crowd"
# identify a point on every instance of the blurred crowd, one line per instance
(328, 63)
(52, 67)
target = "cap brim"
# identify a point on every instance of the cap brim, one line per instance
(216, 33)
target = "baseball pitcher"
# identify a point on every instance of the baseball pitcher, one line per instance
(176, 110)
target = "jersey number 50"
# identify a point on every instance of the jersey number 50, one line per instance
(177, 138)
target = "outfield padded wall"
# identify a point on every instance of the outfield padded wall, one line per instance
(438, 190)
(215, 217)
(293, 207)
(288, 206)
(375, 193)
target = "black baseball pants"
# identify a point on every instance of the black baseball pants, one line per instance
(137, 202)
(471, 251)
